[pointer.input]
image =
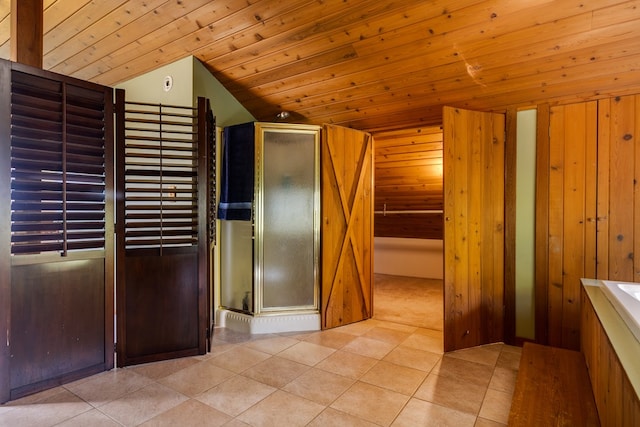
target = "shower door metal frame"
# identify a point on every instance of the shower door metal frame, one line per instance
(258, 225)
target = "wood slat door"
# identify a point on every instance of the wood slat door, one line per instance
(347, 225)
(162, 242)
(474, 144)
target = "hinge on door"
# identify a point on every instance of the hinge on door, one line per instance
(115, 347)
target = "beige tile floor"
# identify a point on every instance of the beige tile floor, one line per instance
(369, 373)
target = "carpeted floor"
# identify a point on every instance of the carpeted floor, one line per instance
(408, 300)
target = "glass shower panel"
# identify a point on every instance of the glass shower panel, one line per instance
(288, 226)
(236, 265)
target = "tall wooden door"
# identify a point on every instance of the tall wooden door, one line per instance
(347, 225)
(474, 144)
(162, 243)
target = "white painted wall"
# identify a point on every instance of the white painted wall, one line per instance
(409, 257)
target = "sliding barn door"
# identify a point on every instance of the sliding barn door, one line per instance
(347, 226)
(56, 230)
(162, 250)
(474, 228)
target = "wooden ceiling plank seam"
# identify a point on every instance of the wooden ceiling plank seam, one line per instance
(83, 17)
(375, 55)
(443, 57)
(422, 150)
(141, 27)
(173, 48)
(419, 90)
(5, 29)
(54, 12)
(514, 19)
(307, 40)
(99, 29)
(585, 19)
(223, 57)
(160, 43)
(619, 85)
(445, 40)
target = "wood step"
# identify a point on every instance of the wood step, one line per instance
(552, 389)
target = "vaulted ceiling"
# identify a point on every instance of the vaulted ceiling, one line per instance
(368, 64)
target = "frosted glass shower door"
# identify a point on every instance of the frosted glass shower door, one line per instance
(288, 212)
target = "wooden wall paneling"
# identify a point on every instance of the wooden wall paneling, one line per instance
(580, 140)
(5, 227)
(408, 177)
(572, 231)
(494, 193)
(622, 153)
(555, 226)
(542, 223)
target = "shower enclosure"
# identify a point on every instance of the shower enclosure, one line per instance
(269, 228)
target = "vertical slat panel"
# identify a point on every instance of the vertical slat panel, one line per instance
(573, 262)
(621, 190)
(590, 179)
(449, 175)
(602, 223)
(494, 296)
(556, 236)
(618, 199)
(477, 239)
(571, 209)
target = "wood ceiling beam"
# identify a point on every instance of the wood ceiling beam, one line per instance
(27, 32)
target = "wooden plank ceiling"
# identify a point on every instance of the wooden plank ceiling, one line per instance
(368, 64)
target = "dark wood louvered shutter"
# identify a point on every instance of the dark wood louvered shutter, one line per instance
(56, 229)
(162, 243)
(57, 166)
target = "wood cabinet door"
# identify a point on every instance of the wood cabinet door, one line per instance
(347, 225)
(474, 144)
